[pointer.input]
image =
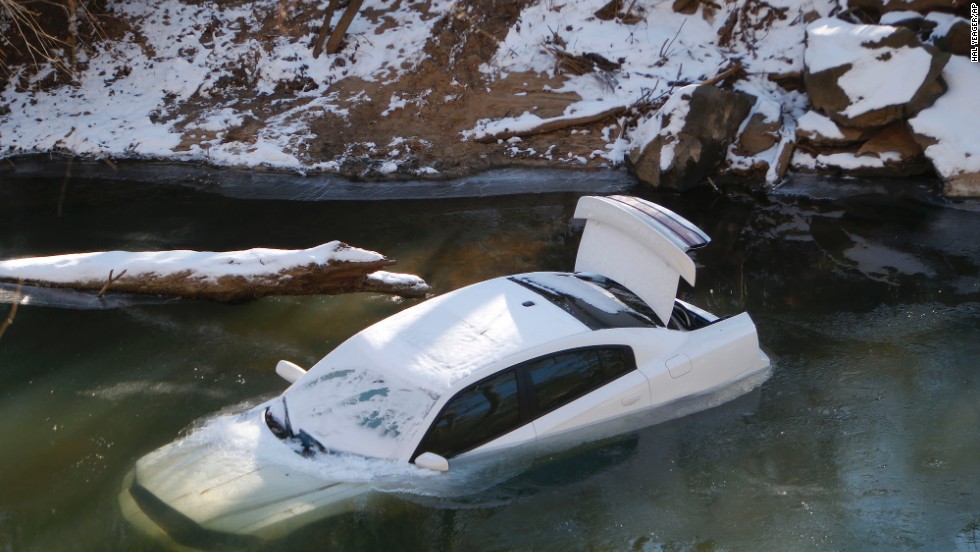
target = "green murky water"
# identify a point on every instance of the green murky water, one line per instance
(866, 437)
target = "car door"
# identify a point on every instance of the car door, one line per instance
(582, 387)
(485, 415)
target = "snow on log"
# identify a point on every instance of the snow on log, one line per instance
(491, 130)
(231, 276)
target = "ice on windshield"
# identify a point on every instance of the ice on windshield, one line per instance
(355, 410)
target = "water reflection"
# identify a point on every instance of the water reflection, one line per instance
(868, 300)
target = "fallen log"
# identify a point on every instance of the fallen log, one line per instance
(550, 125)
(231, 277)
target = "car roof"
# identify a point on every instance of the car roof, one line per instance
(372, 393)
(446, 339)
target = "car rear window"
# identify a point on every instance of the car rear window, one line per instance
(592, 304)
(559, 379)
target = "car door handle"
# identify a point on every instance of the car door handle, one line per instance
(629, 400)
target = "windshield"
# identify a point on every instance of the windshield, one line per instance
(356, 410)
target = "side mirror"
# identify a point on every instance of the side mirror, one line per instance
(432, 461)
(289, 371)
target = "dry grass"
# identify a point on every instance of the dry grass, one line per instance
(29, 35)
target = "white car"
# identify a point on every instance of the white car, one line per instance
(503, 363)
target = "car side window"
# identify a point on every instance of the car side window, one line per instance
(476, 415)
(559, 379)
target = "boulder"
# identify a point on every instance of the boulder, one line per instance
(686, 7)
(688, 139)
(770, 165)
(869, 75)
(951, 34)
(922, 6)
(819, 130)
(888, 151)
(949, 131)
(761, 130)
(945, 31)
(764, 145)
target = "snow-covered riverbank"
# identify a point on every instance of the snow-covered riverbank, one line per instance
(444, 87)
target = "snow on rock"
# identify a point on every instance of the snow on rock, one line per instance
(844, 161)
(951, 33)
(653, 52)
(949, 131)
(948, 32)
(333, 267)
(688, 139)
(886, 151)
(889, 6)
(765, 143)
(818, 127)
(869, 75)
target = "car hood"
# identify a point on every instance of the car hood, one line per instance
(190, 489)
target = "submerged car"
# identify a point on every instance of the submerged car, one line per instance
(501, 364)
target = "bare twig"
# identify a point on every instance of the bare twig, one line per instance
(669, 43)
(110, 281)
(13, 309)
(734, 68)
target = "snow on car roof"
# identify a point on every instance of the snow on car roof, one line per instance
(447, 338)
(373, 392)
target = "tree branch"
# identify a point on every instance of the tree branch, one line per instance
(13, 310)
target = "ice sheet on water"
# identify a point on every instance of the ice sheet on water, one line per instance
(70, 299)
(323, 187)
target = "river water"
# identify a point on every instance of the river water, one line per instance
(866, 296)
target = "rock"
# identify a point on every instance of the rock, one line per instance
(869, 75)
(792, 80)
(761, 131)
(951, 34)
(945, 31)
(849, 163)
(770, 166)
(963, 185)
(820, 130)
(949, 131)
(888, 151)
(765, 144)
(922, 6)
(784, 157)
(687, 7)
(687, 141)
(911, 20)
(896, 138)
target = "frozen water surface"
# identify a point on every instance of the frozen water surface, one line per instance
(866, 295)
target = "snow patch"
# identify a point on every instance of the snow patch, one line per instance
(128, 100)
(820, 125)
(877, 77)
(954, 121)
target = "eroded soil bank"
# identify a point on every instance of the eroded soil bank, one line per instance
(437, 89)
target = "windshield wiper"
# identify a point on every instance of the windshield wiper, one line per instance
(309, 445)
